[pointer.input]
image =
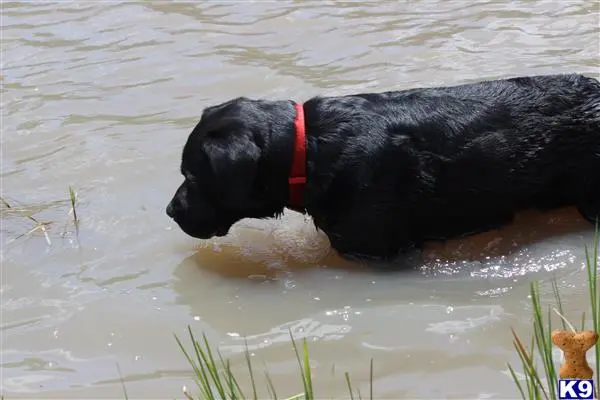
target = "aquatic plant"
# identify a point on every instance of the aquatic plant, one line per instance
(16, 209)
(541, 345)
(215, 379)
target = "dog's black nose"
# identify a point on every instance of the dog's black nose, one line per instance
(171, 210)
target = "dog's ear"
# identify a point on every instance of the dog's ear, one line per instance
(234, 161)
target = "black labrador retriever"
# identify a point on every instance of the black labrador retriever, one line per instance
(381, 173)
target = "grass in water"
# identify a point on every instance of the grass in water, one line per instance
(39, 225)
(73, 200)
(215, 380)
(9, 209)
(122, 382)
(541, 380)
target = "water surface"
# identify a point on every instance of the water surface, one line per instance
(102, 95)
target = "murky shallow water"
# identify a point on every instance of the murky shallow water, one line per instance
(101, 96)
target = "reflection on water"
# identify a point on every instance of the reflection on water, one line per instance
(101, 96)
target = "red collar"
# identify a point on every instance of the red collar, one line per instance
(297, 179)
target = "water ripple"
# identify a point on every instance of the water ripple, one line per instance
(101, 96)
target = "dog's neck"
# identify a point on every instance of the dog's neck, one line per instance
(297, 178)
(283, 166)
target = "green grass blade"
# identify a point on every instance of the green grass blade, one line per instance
(565, 322)
(233, 382)
(306, 390)
(558, 302)
(549, 361)
(186, 394)
(73, 199)
(516, 380)
(227, 375)
(198, 377)
(527, 360)
(347, 375)
(307, 371)
(201, 357)
(542, 340)
(545, 355)
(270, 385)
(528, 379)
(536, 385)
(187, 356)
(371, 380)
(533, 385)
(592, 278)
(122, 382)
(249, 363)
(235, 392)
(296, 397)
(211, 365)
(7, 205)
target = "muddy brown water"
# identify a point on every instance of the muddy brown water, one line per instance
(101, 95)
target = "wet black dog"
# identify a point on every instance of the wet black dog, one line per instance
(386, 172)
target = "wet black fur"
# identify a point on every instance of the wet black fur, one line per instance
(389, 171)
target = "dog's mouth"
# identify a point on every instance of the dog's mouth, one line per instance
(200, 230)
(220, 232)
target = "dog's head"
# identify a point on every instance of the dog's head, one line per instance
(231, 168)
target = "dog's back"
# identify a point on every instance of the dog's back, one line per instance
(456, 160)
(534, 144)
